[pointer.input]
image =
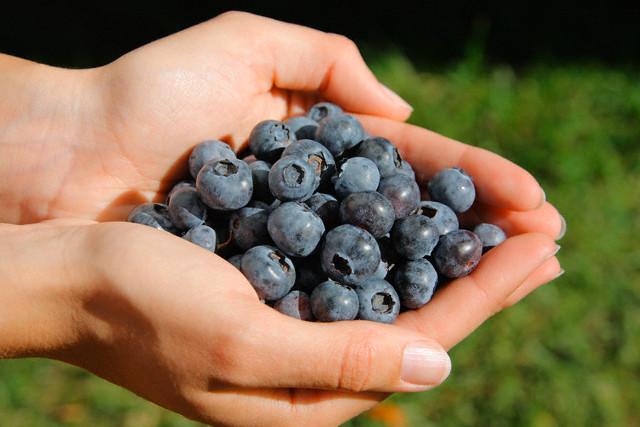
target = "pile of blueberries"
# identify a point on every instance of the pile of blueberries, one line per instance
(325, 221)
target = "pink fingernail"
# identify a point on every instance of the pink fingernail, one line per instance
(425, 364)
(395, 98)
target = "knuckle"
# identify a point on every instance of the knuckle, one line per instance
(356, 368)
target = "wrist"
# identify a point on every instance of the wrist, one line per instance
(47, 116)
(40, 291)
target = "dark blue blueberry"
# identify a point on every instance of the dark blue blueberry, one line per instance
(457, 254)
(332, 302)
(260, 176)
(269, 138)
(490, 235)
(339, 132)
(406, 169)
(248, 227)
(369, 210)
(269, 271)
(154, 215)
(295, 304)
(308, 273)
(444, 217)
(403, 193)
(292, 179)
(321, 110)
(225, 184)
(203, 236)
(177, 186)
(383, 153)
(186, 208)
(295, 228)
(304, 127)
(415, 282)
(236, 260)
(206, 151)
(349, 254)
(414, 236)
(378, 301)
(355, 174)
(454, 188)
(327, 207)
(316, 154)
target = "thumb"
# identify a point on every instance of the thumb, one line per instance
(305, 59)
(347, 356)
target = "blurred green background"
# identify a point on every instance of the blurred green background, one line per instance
(567, 355)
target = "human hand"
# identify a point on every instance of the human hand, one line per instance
(182, 328)
(95, 143)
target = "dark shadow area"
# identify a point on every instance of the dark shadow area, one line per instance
(80, 34)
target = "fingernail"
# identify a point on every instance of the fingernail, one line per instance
(563, 228)
(424, 364)
(395, 98)
(552, 254)
(560, 273)
(543, 198)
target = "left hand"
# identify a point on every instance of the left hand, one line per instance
(95, 143)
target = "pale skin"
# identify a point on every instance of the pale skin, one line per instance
(173, 322)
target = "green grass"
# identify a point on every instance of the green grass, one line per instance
(569, 354)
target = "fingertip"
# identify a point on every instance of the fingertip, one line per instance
(425, 364)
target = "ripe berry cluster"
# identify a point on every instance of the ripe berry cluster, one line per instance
(324, 220)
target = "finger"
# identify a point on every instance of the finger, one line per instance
(299, 58)
(277, 351)
(547, 272)
(545, 220)
(498, 181)
(461, 306)
(283, 407)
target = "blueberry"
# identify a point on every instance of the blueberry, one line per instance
(248, 227)
(332, 301)
(203, 236)
(236, 260)
(309, 273)
(177, 186)
(355, 174)
(292, 179)
(339, 132)
(383, 153)
(490, 235)
(403, 193)
(415, 282)
(457, 254)
(349, 254)
(406, 169)
(454, 188)
(186, 208)
(316, 154)
(326, 206)
(295, 228)
(369, 210)
(225, 184)
(414, 236)
(269, 271)
(154, 215)
(322, 110)
(378, 301)
(304, 127)
(269, 138)
(206, 151)
(444, 217)
(295, 304)
(260, 177)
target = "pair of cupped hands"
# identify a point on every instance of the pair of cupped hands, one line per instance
(175, 323)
